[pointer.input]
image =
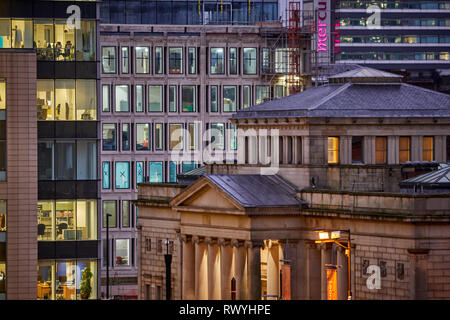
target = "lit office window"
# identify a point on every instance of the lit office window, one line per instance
(155, 97)
(86, 41)
(45, 99)
(125, 60)
(333, 150)
(159, 134)
(428, 149)
(229, 98)
(106, 175)
(175, 60)
(125, 213)
(122, 174)
(65, 41)
(404, 149)
(105, 98)
(262, 94)
(156, 171)
(357, 149)
(142, 136)
(233, 61)
(109, 207)
(159, 60)
(188, 98)
(217, 61)
(139, 171)
(192, 60)
(122, 247)
(139, 98)
(213, 99)
(46, 221)
(380, 150)
(172, 98)
(176, 136)
(109, 137)
(86, 100)
(125, 136)
(122, 98)
(142, 60)
(3, 225)
(192, 136)
(43, 37)
(65, 99)
(217, 136)
(108, 59)
(249, 60)
(247, 95)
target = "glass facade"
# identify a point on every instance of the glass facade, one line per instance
(3, 146)
(122, 175)
(188, 97)
(217, 61)
(250, 61)
(176, 60)
(142, 60)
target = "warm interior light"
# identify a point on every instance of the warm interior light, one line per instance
(324, 235)
(335, 235)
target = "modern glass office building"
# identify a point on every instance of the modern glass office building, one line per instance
(64, 37)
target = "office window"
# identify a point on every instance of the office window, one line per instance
(125, 60)
(46, 221)
(159, 134)
(139, 98)
(380, 150)
(175, 136)
(192, 60)
(142, 60)
(229, 98)
(265, 55)
(142, 136)
(175, 60)
(65, 41)
(86, 41)
(108, 59)
(448, 148)
(86, 159)
(45, 99)
(106, 175)
(122, 175)
(172, 98)
(247, 95)
(159, 60)
(65, 220)
(86, 100)
(45, 160)
(233, 136)
(217, 137)
(156, 171)
(233, 61)
(155, 96)
(217, 60)
(187, 166)
(125, 213)
(213, 99)
(43, 39)
(5, 35)
(125, 136)
(139, 171)
(357, 149)
(109, 207)
(404, 149)
(65, 159)
(105, 98)
(122, 247)
(333, 150)
(22, 34)
(249, 60)
(86, 221)
(172, 171)
(428, 149)
(192, 136)
(279, 91)
(109, 137)
(122, 98)
(188, 98)
(65, 99)
(262, 94)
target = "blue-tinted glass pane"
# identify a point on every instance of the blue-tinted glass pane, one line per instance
(270, 11)
(106, 175)
(172, 172)
(187, 166)
(122, 175)
(133, 12)
(156, 172)
(148, 12)
(179, 12)
(256, 12)
(139, 172)
(117, 8)
(104, 11)
(240, 11)
(194, 17)
(164, 10)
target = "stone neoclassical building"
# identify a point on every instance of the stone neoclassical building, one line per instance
(333, 160)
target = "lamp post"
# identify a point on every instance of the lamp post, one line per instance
(108, 215)
(168, 260)
(334, 236)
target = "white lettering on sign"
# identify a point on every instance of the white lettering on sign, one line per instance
(374, 280)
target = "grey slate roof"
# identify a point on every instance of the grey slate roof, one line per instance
(365, 72)
(352, 99)
(436, 177)
(253, 190)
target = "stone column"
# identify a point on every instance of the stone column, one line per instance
(226, 268)
(213, 269)
(201, 269)
(325, 258)
(342, 274)
(273, 270)
(240, 266)
(254, 269)
(188, 269)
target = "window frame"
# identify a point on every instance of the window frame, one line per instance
(114, 59)
(176, 60)
(217, 60)
(247, 59)
(146, 67)
(336, 151)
